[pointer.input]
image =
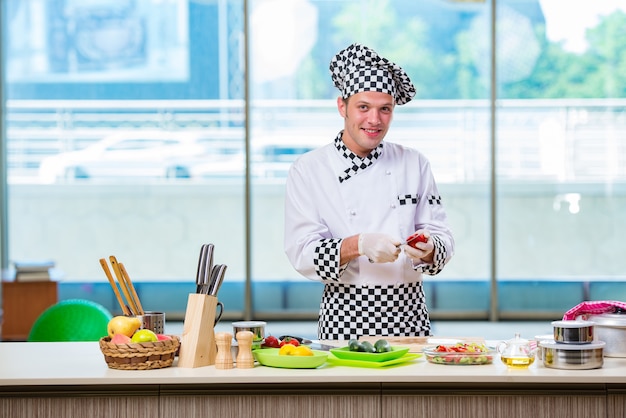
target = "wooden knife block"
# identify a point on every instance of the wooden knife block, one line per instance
(198, 347)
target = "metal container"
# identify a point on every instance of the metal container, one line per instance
(573, 332)
(611, 328)
(256, 327)
(538, 339)
(572, 356)
(154, 321)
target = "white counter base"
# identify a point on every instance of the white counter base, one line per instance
(72, 380)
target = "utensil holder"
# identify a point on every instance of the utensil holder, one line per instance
(154, 321)
(198, 347)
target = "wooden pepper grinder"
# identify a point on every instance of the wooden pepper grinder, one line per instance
(224, 357)
(245, 360)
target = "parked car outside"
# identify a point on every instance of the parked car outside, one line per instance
(226, 160)
(157, 154)
(271, 157)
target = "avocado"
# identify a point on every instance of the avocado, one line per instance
(354, 345)
(382, 346)
(368, 347)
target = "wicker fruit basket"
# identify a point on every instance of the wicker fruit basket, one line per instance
(140, 356)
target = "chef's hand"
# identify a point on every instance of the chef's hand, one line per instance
(379, 248)
(424, 251)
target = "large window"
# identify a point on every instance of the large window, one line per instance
(145, 128)
(125, 136)
(561, 97)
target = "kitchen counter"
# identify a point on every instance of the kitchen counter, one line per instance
(74, 376)
(82, 363)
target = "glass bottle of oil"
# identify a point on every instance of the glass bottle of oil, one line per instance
(517, 353)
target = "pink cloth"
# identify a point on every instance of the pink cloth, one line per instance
(593, 307)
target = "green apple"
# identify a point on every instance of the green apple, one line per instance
(144, 336)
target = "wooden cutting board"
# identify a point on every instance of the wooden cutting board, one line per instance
(417, 344)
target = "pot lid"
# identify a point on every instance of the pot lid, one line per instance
(572, 324)
(561, 346)
(244, 324)
(609, 319)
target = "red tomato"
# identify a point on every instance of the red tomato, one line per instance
(416, 238)
(291, 341)
(271, 342)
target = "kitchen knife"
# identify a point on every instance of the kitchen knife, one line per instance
(200, 273)
(314, 345)
(208, 268)
(217, 278)
(321, 347)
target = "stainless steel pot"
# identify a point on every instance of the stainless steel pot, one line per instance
(572, 356)
(538, 339)
(573, 332)
(611, 328)
(256, 327)
(258, 335)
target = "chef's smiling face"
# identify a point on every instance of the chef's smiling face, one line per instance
(367, 116)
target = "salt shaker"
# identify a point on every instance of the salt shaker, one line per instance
(224, 358)
(245, 360)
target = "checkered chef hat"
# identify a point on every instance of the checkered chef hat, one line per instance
(358, 68)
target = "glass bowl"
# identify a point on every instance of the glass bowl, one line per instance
(482, 355)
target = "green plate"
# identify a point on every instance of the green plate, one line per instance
(269, 357)
(360, 363)
(345, 353)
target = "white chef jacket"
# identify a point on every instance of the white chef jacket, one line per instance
(396, 195)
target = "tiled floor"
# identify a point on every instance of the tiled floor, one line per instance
(489, 330)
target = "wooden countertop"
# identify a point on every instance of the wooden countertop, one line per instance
(82, 363)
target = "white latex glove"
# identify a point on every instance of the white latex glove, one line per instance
(379, 248)
(423, 251)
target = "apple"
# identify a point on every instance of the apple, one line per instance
(126, 325)
(163, 337)
(120, 339)
(144, 336)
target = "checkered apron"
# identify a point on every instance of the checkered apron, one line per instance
(349, 311)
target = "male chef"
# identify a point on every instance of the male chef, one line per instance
(351, 204)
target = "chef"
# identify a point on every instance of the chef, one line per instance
(351, 204)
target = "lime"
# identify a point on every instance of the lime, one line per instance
(144, 336)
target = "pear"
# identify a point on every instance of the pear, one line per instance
(126, 325)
